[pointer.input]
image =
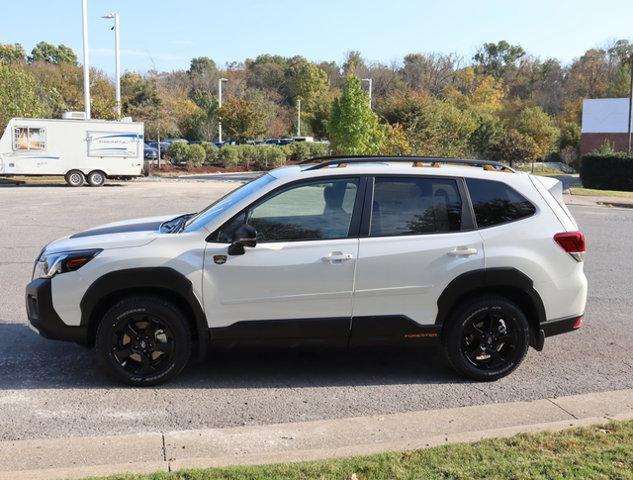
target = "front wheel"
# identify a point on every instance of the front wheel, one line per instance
(143, 341)
(75, 178)
(487, 338)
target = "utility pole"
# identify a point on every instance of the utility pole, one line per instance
(369, 87)
(630, 104)
(298, 117)
(220, 80)
(84, 18)
(117, 60)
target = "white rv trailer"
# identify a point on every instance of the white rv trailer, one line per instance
(80, 150)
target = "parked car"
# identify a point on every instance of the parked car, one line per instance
(470, 255)
(279, 141)
(164, 146)
(150, 153)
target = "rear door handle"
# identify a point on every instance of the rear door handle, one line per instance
(462, 252)
(337, 257)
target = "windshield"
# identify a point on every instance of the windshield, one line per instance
(235, 196)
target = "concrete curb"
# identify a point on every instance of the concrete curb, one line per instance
(80, 457)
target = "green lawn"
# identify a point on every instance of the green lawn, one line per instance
(599, 193)
(601, 452)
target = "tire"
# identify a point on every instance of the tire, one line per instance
(143, 341)
(487, 338)
(96, 178)
(75, 178)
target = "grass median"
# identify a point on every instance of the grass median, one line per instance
(600, 193)
(599, 452)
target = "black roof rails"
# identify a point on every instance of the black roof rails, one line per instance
(326, 161)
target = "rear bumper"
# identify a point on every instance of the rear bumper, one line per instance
(43, 317)
(561, 325)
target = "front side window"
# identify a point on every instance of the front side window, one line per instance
(320, 210)
(415, 206)
(495, 203)
(27, 138)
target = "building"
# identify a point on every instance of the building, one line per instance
(604, 120)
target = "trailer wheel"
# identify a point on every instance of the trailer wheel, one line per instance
(75, 178)
(96, 178)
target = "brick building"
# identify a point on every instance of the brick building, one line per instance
(604, 119)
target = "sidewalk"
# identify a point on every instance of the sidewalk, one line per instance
(150, 452)
(591, 201)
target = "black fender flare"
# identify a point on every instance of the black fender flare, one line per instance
(488, 279)
(148, 279)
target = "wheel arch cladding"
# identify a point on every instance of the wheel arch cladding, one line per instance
(164, 282)
(507, 282)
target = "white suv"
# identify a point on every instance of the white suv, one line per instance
(346, 251)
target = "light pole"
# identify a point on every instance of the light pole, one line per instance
(84, 22)
(369, 86)
(630, 104)
(220, 81)
(117, 60)
(298, 117)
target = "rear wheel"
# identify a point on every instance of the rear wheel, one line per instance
(96, 178)
(75, 178)
(487, 338)
(143, 341)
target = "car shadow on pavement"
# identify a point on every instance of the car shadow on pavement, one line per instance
(28, 361)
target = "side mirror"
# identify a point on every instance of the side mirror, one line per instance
(244, 236)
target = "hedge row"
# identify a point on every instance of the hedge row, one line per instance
(608, 171)
(260, 157)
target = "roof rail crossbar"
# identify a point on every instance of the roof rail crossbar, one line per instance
(322, 162)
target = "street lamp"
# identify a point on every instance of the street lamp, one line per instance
(630, 105)
(220, 81)
(117, 60)
(369, 86)
(84, 23)
(298, 117)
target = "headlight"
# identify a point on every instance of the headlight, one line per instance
(50, 264)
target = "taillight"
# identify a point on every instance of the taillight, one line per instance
(573, 243)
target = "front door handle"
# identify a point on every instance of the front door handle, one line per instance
(337, 257)
(462, 252)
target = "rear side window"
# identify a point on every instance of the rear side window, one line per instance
(415, 206)
(496, 203)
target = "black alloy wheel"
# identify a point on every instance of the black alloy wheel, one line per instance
(143, 341)
(487, 337)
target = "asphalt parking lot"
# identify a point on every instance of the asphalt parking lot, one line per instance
(53, 389)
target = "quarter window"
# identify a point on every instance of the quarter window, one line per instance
(310, 211)
(495, 203)
(415, 206)
(26, 138)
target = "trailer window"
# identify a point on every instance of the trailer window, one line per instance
(26, 138)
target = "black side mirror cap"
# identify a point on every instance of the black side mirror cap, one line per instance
(244, 236)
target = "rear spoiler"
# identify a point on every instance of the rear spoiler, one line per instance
(555, 189)
(553, 185)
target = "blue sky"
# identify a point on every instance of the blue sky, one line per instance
(166, 35)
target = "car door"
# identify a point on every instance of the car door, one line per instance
(297, 281)
(417, 236)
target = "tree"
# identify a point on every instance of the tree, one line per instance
(12, 53)
(18, 95)
(432, 73)
(241, 119)
(353, 126)
(534, 123)
(497, 59)
(46, 52)
(515, 147)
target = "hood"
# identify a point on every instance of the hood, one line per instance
(128, 233)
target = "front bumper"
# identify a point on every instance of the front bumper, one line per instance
(43, 317)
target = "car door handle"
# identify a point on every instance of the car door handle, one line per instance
(462, 252)
(337, 257)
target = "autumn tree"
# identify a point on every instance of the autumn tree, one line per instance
(497, 59)
(241, 119)
(46, 52)
(18, 95)
(12, 53)
(353, 126)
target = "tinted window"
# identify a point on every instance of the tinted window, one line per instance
(311, 211)
(414, 206)
(495, 203)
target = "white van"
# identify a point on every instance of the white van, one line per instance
(80, 150)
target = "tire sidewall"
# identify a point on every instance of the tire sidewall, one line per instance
(460, 320)
(99, 174)
(168, 313)
(73, 173)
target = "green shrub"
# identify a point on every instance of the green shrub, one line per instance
(248, 155)
(269, 157)
(211, 152)
(299, 151)
(229, 155)
(319, 149)
(178, 152)
(607, 171)
(195, 155)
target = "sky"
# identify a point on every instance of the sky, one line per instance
(166, 35)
